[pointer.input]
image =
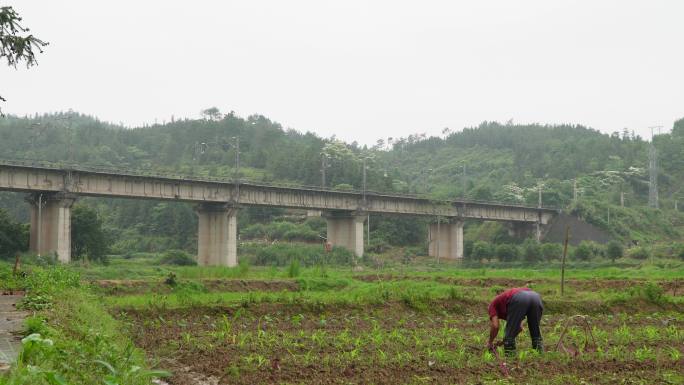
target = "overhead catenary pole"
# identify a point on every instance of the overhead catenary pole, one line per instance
(539, 203)
(323, 166)
(653, 172)
(364, 180)
(40, 222)
(368, 231)
(565, 253)
(464, 180)
(438, 236)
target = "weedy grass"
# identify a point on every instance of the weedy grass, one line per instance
(333, 318)
(71, 338)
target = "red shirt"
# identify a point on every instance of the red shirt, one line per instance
(499, 306)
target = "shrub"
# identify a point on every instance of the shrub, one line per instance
(679, 251)
(281, 254)
(584, 251)
(13, 236)
(88, 237)
(254, 231)
(293, 269)
(531, 251)
(282, 230)
(614, 250)
(481, 250)
(177, 257)
(507, 252)
(317, 224)
(639, 252)
(378, 246)
(301, 234)
(552, 251)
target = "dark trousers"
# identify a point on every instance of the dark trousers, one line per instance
(523, 304)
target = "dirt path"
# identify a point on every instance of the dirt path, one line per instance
(11, 322)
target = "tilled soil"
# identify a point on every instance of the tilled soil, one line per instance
(671, 287)
(186, 342)
(581, 372)
(128, 287)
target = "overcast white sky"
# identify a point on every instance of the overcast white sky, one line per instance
(360, 70)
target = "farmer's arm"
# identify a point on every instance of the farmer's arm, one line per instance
(493, 330)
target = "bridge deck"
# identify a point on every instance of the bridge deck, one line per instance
(106, 183)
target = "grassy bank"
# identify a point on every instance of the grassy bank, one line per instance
(70, 336)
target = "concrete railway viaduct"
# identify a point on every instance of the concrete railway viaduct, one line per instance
(51, 191)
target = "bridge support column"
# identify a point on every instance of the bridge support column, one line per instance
(446, 240)
(346, 230)
(51, 224)
(216, 235)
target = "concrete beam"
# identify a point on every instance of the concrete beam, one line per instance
(216, 235)
(345, 229)
(51, 224)
(446, 240)
(117, 184)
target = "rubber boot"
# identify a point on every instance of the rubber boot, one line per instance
(538, 345)
(509, 348)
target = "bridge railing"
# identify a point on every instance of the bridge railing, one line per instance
(65, 166)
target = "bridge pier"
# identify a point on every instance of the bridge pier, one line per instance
(446, 240)
(51, 224)
(216, 235)
(345, 229)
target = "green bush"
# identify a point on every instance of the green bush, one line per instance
(531, 251)
(678, 251)
(283, 230)
(317, 224)
(552, 251)
(255, 231)
(177, 257)
(302, 233)
(584, 251)
(481, 250)
(293, 269)
(378, 246)
(281, 254)
(13, 236)
(614, 250)
(88, 238)
(507, 252)
(639, 252)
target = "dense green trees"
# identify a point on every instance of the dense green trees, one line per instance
(492, 161)
(88, 239)
(13, 236)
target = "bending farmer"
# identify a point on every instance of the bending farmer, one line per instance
(514, 305)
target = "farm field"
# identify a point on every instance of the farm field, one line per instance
(322, 326)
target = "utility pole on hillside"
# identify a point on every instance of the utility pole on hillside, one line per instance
(365, 168)
(465, 184)
(539, 203)
(324, 165)
(653, 172)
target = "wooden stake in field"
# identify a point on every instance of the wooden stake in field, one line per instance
(565, 253)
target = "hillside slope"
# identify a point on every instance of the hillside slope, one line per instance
(498, 162)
